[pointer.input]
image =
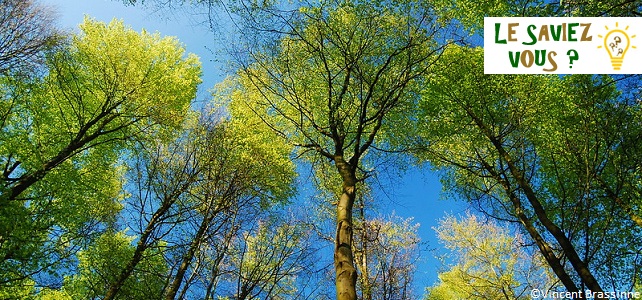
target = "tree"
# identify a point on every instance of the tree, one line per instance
(267, 262)
(531, 150)
(386, 251)
(240, 175)
(161, 175)
(188, 193)
(488, 262)
(330, 78)
(101, 262)
(27, 31)
(107, 89)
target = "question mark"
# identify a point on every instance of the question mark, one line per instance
(617, 40)
(573, 57)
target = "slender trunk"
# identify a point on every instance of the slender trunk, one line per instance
(362, 257)
(561, 238)
(142, 245)
(568, 248)
(211, 286)
(186, 287)
(346, 274)
(187, 259)
(625, 205)
(546, 251)
(544, 248)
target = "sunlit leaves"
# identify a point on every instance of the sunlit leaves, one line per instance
(251, 143)
(488, 262)
(336, 74)
(106, 89)
(101, 263)
(269, 259)
(386, 254)
(334, 82)
(506, 106)
(540, 149)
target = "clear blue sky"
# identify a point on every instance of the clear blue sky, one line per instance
(415, 195)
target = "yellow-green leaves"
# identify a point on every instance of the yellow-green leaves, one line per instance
(334, 85)
(345, 72)
(489, 262)
(101, 263)
(269, 260)
(151, 74)
(540, 150)
(108, 89)
(255, 146)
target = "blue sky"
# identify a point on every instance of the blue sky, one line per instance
(417, 194)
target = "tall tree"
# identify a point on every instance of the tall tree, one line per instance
(239, 175)
(101, 263)
(109, 87)
(269, 259)
(330, 78)
(531, 150)
(187, 196)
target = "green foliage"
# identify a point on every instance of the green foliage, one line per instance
(102, 262)
(541, 149)
(502, 102)
(470, 14)
(268, 260)
(63, 134)
(488, 262)
(22, 289)
(331, 80)
(194, 193)
(337, 83)
(266, 158)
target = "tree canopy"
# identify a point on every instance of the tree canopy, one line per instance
(337, 77)
(544, 152)
(116, 184)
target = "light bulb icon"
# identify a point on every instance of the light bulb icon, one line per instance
(616, 44)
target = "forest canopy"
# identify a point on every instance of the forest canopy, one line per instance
(118, 183)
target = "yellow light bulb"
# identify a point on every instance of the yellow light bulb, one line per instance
(616, 43)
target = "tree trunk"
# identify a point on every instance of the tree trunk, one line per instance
(142, 245)
(544, 248)
(187, 259)
(116, 285)
(567, 246)
(346, 274)
(563, 241)
(362, 257)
